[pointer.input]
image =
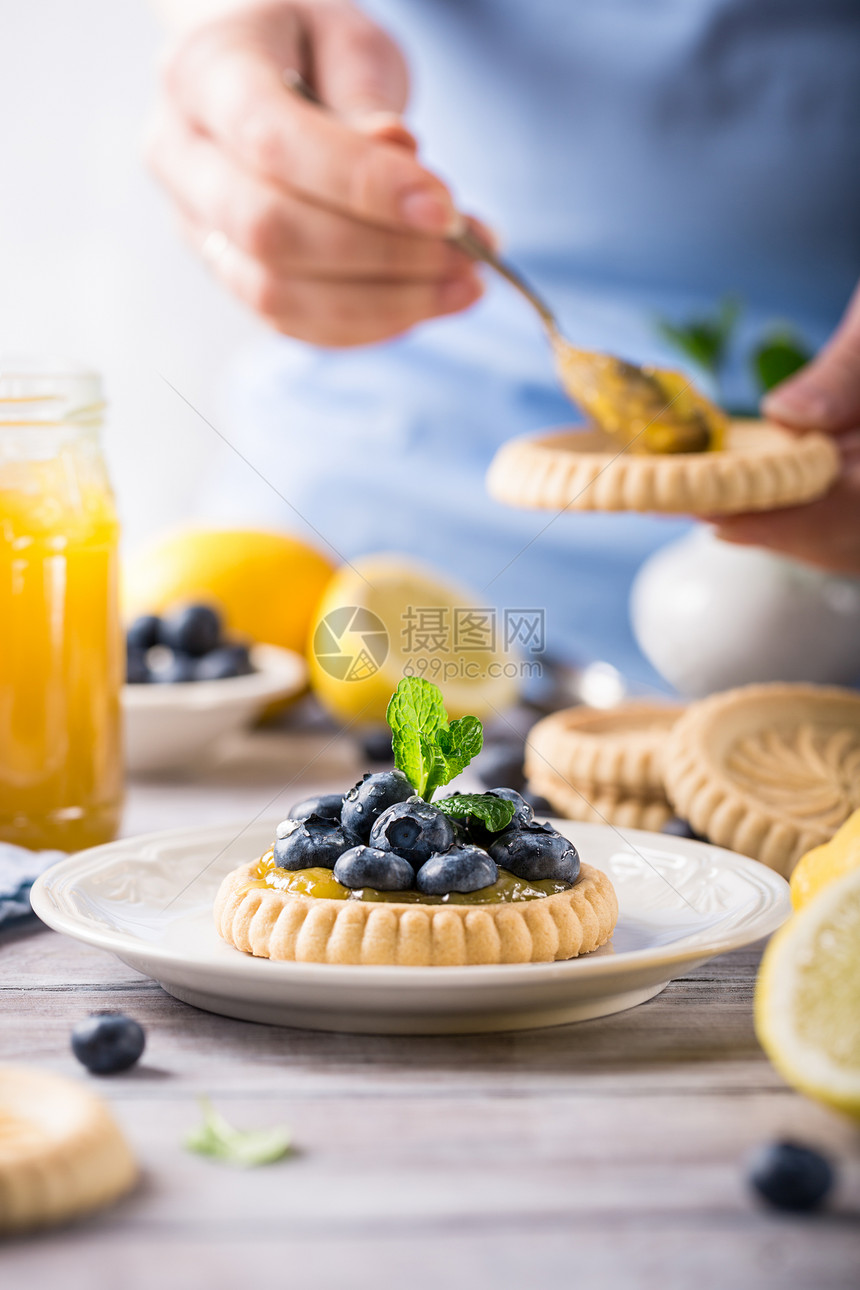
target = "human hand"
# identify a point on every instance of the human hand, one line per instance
(324, 223)
(824, 395)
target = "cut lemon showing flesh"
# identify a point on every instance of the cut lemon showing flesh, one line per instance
(385, 617)
(807, 1002)
(824, 864)
(61, 1152)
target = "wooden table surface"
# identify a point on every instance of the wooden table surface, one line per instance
(608, 1153)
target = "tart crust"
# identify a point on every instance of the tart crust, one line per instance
(767, 770)
(274, 924)
(595, 804)
(619, 748)
(762, 467)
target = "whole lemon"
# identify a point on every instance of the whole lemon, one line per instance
(267, 585)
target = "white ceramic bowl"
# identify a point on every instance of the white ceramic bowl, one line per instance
(170, 725)
(710, 615)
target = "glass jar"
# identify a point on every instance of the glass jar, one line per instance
(61, 658)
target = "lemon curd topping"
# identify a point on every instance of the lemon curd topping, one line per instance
(322, 883)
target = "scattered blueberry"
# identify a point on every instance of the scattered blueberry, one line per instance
(327, 805)
(501, 763)
(462, 868)
(136, 669)
(144, 632)
(224, 662)
(195, 630)
(536, 851)
(790, 1176)
(363, 866)
(414, 829)
(308, 844)
(178, 669)
(363, 804)
(107, 1042)
(376, 745)
(678, 828)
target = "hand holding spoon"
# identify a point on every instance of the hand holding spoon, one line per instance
(650, 409)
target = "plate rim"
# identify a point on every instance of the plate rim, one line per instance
(762, 923)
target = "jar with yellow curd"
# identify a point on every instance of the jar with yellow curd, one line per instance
(61, 661)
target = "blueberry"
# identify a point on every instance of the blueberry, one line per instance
(539, 804)
(536, 851)
(144, 632)
(364, 803)
(462, 868)
(308, 844)
(326, 805)
(106, 1042)
(523, 815)
(678, 828)
(178, 669)
(501, 763)
(790, 1176)
(523, 810)
(376, 745)
(136, 670)
(194, 630)
(224, 662)
(363, 866)
(413, 829)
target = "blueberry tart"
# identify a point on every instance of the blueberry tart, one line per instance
(402, 879)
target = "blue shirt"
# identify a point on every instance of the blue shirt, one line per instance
(639, 160)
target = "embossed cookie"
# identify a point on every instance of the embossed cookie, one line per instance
(762, 467)
(767, 770)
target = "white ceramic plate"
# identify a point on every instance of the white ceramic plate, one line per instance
(149, 900)
(178, 725)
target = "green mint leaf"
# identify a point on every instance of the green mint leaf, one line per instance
(217, 1138)
(458, 744)
(778, 357)
(415, 712)
(705, 340)
(427, 748)
(495, 812)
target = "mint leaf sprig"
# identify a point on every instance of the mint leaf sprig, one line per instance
(216, 1137)
(430, 750)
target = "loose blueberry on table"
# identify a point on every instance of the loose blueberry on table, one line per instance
(187, 645)
(385, 840)
(108, 1042)
(791, 1176)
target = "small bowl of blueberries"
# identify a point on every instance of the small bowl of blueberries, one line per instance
(188, 684)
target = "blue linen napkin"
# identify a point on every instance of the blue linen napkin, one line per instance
(19, 869)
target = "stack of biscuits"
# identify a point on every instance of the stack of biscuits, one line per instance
(604, 766)
(767, 770)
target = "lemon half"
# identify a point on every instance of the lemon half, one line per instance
(807, 1001)
(385, 617)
